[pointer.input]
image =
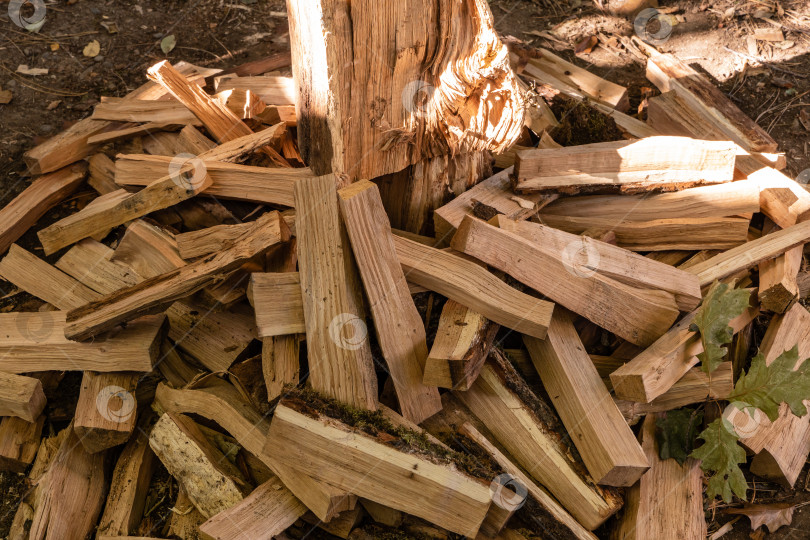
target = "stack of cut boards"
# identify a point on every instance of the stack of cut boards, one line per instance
(262, 333)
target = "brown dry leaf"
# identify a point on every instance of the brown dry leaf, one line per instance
(92, 49)
(773, 515)
(586, 45)
(5, 96)
(53, 104)
(804, 118)
(54, 46)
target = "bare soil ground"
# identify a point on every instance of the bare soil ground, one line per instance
(770, 81)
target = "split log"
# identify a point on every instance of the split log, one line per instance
(382, 514)
(37, 342)
(276, 298)
(155, 293)
(719, 200)
(651, 163)
(782, 446)
(655, 370)
(101, 173)
(167, 191)
(35, 276)
(608, 447)
(527, 428)
(494, 192)
(128, 488)
(469, 284)
(667, 72)
(195, 244)
(400, 331)
(216, 339)
(661, 234)
(71, 493)
(212, 483)
(550, 69)
(44, 193)
(450, 99)
(784, 201)
(341, 526)
(463, 340)
(126, 133)
(90, 263)
(610, 261)
(340, 363)
(228, 180)
(271, 89)
(19, 442)
(667, 502)
(105, 413)
(263, 514)
(751, 253)
(21, 397)
(335, 453)
(778, 288)
(148, 249)
(139, 111)
(646, 315)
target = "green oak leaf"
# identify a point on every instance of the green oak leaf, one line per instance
(767, 386)
(721, 455)
(676, 433)
(722, 304)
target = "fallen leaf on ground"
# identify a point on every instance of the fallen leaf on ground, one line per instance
(92, 49)
(25, 70)
(54, 46)
(773, 516)
(110, 26)
(804, 118)
(53, 104)
(5, 96)
(168, 43)
(586, 45)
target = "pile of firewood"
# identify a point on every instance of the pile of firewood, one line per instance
(440, 356)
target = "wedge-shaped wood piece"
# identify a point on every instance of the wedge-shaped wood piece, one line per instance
(36, 342)
(609, 261)
(694, 387)
(340, 358)
(469, 284)
(174, 187)
(21, 396)
(101, 175)
(667, 72)
(558, 73)
(651, 163)
(781, 446)
(778, 286)
(148, 249)
(400, 331)
(645, 315)
(546, 501)
(333, 452)
(751, 253)
(272, 89)
(528, 429)
(265, 513)
(35, 276)
(655, 370)
(45, 192)
(667, 502)
(494, 192)
(216, 339)
(19, 442)
(462, 344)
(783, 200)
(608, 447)
(155, 293)
(129, 486)
(71, 493)
(280, 363)
(212, 483)
(279, 306)
(661, 234)
(719, 200)
(229, 180)
(106, 410)
(476, 105)
(90, 263)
